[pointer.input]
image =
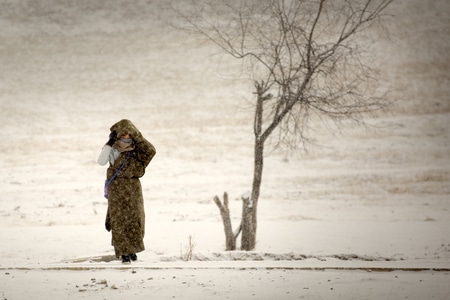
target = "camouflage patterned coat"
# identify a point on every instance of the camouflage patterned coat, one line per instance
(125, 212)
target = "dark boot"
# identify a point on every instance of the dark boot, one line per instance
(133, 256)
(126, 259)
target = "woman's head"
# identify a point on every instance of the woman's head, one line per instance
(125, 140)
(124, 143)
(125, 129)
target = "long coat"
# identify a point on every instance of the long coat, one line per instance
(125, 213)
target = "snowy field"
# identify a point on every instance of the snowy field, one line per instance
(364, 214)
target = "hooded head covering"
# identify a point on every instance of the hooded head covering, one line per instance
(125, 127)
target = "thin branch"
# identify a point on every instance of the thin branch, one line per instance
(311, 34)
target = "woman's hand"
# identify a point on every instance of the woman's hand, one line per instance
(112, 138)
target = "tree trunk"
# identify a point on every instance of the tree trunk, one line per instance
(230, 237)
(249, 222)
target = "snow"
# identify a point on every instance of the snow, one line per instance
(364, 214)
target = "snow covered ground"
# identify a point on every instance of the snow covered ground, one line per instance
(363, 215)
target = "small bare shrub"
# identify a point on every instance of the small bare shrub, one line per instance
(188, 250)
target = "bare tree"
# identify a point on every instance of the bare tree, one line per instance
(305, 58)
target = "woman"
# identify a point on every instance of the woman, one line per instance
(128, 154)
